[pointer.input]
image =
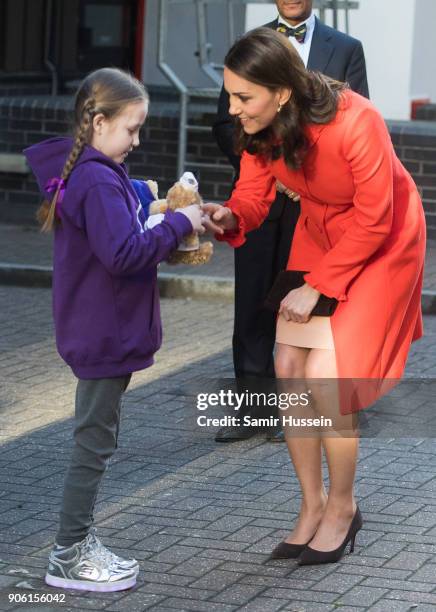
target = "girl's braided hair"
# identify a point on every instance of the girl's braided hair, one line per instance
(106, 91)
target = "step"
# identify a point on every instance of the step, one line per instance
(431, 232)
(205, 92)
(198, 128)
(210, 165)
(429, 206)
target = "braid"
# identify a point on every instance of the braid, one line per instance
(106, 91)
(81, 138)
(46, 212)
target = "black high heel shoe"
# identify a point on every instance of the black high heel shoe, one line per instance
(287, 551)
(310, 556)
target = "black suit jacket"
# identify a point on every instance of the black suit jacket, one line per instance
(333, 53)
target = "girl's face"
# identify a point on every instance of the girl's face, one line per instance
(254, 105)
(116, 137)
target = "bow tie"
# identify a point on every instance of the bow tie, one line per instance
(299, 33)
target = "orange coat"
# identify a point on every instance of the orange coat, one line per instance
(360, 235)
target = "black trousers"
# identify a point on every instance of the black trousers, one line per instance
(257, 263)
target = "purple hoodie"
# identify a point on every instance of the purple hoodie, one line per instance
(105, 295)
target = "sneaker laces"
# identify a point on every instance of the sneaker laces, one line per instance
(99, 551)
(95, 551)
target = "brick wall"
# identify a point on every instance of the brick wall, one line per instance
(427, 112)
(415, 143)
(26, 120)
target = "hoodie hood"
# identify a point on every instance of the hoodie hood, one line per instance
(48, 158)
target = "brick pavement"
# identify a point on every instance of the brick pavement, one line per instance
(200, 517)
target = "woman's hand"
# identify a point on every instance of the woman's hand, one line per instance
(299, 303)
(218, 219)
(293, 195)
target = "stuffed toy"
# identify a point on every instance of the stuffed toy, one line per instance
(181, 194)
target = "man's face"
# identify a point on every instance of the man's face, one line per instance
(294, 11)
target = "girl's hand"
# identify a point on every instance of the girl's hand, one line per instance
(219, 218)
(293, 195)
(194, 214)
(299, 303)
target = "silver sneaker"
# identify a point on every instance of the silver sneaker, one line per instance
(90, 566)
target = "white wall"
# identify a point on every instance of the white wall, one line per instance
(424, 53)
(387, 30)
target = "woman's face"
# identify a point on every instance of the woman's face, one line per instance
(254, 105)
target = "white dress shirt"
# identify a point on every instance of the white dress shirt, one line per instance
(302, 48)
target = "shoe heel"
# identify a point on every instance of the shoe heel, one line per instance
(352, 543)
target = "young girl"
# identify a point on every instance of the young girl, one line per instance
(105, 300)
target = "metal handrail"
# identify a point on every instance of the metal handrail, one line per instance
(47, 48)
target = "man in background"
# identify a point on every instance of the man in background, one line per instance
(266, 250)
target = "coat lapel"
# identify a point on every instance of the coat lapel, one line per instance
(321, 48)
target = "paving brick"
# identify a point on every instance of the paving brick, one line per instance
(211, 543)
(365, 596)
(253, 571)
(281, 582)
(383, 548)
(426, 574)
(136, 602)
(388, 605)
(177, 591)
(402, 508)
(347, 608)
(422, 518)
(338, 583)
(408, 560)
(407, 585)
(413, 597)
(376, 572)
(303, 606)
(216, 580)
(181, 604)
(238, 594)
(263, 604)
(299, 595)
(197, 566)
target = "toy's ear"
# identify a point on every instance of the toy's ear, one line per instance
(152, 185)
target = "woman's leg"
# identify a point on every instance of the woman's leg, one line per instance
(341, 452)
(305, 452)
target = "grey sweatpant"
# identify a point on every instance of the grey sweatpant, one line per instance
(97, 422)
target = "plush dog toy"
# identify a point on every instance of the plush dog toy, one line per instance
(182, 194)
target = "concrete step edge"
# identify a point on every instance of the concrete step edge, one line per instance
(170, 285)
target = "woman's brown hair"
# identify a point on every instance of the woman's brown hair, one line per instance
(106, 91)
(267, 58)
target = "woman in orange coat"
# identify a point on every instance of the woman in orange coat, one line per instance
(360, 238)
